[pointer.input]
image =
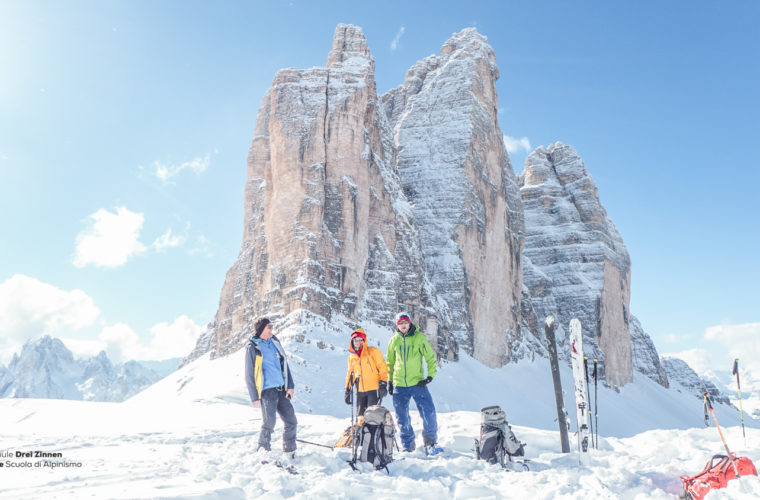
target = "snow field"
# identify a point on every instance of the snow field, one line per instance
(206, 450)
(194, 435)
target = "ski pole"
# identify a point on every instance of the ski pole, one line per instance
(591, 421)
(728, 452)
(354, 390)
(739, 388)
(596, 414)
(315, 444)
(351, 382)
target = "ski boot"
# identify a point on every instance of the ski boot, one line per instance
(431, 448)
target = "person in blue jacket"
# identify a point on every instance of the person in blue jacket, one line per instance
(270, 385)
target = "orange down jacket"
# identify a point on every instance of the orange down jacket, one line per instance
(368, 364)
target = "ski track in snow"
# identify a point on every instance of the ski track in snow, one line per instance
(206, 450)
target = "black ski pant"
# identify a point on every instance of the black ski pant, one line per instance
(365, 399)
(274, 401)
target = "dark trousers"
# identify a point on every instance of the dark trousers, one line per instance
(273, 401)
(365, 399)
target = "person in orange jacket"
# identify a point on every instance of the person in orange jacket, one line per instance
(366, 364)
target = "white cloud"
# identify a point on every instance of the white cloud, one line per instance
(167, 240)
(82, 348)
(397, 38)
(175, 340)
(122, 343)
(700, 360)
(202, 246)
(167, 341)
(513, 144)
(30, 308)
(165, 171)
(734, 334)
(674, 338)
(741, 341)
(110, 239)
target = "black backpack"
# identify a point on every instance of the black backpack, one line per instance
(375, 438)
(497, 443)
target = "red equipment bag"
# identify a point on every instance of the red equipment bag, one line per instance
(715, 475)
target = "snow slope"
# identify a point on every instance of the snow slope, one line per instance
(205, 450)
(523, 389)
(193, 435)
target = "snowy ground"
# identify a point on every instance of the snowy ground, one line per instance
(205, 450)
(193, 435)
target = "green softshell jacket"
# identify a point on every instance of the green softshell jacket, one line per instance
(405, 353)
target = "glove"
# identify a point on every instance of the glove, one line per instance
(347, 396)
(423, 383)
(382, 391)
(390, 388)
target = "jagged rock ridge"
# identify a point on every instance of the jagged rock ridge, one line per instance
(46, 368)
(684, 379)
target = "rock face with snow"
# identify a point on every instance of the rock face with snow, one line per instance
(646, 360)
(457, 175)
(357, 207)
(45, 368)
(6, 380)
(576, 264)
(329, 229)
(685, 380)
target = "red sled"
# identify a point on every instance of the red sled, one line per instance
(715, 475)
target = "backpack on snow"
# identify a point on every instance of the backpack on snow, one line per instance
(497, 443)
(346, 440)
(715, 475)
(375, 438)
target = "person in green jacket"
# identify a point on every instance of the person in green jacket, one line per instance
(407, 379)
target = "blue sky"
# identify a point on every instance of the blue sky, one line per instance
(124, 129)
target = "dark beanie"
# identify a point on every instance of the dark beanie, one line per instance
(259, 326)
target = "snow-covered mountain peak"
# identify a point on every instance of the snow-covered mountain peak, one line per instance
(557, 164)
(42, 353)
(469, 44)
(46, 368)
(358, 207)
(349, 48)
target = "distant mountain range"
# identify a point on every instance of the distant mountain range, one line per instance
(684, 379)
(720, 384)
(46, 368)
(750, 385)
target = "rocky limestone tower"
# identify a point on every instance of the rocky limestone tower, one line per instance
(457, 175)
(327, 229)
(356, 208)
(576, 264)
(646, 359)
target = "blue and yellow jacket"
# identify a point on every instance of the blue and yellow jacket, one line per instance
(254, 376)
